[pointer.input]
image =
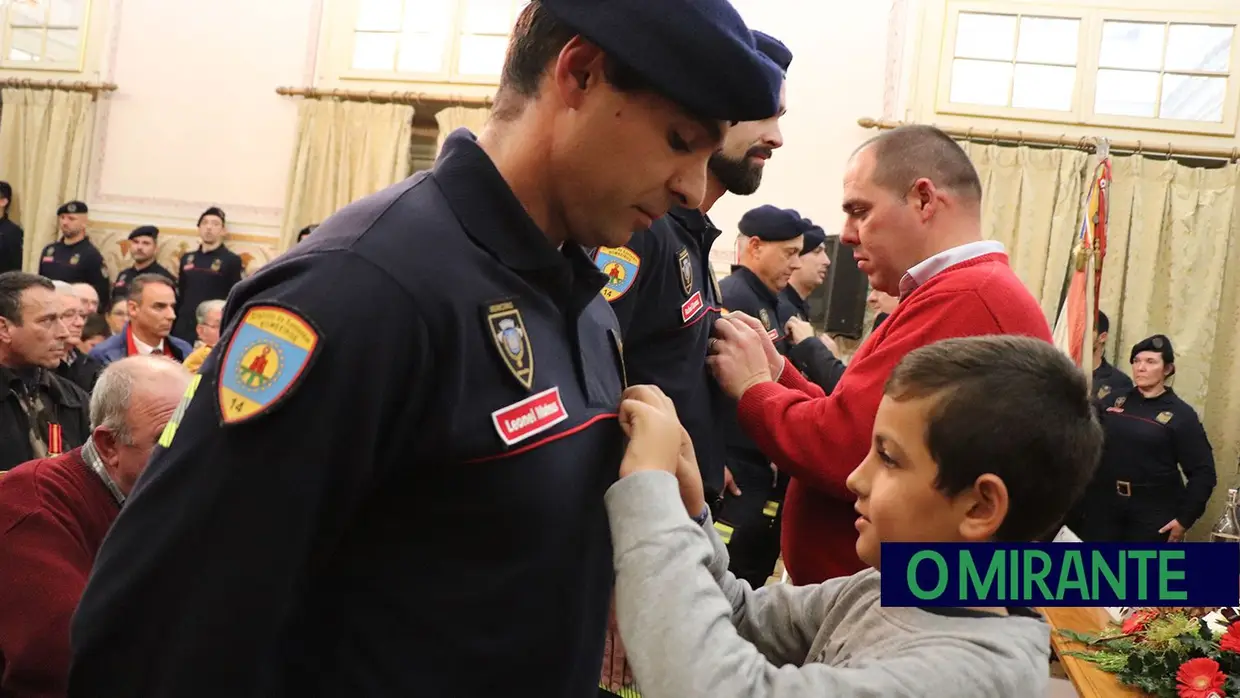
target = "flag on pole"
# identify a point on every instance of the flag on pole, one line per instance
(1078, 315)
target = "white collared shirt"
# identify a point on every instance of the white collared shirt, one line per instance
(145, 349)
(926, 269)
(91, 456)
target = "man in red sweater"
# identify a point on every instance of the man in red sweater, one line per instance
(913, 206)
(54, 513)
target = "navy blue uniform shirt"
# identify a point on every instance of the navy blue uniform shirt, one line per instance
(121, 286)
(1149, 441)
(1107, 380)
(416, 507)
(11, 240)
(811, 357)
(205, 276)
(79, 263)
(666, 299)
(744, 292)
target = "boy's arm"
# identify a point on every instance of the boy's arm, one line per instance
(682, 615)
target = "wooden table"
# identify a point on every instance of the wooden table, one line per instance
(1089, 680)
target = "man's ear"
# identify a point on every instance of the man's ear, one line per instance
(1102, 337)
(105, 443)
(577, 69)
(6, 330)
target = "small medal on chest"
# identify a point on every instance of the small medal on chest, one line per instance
(55, 441)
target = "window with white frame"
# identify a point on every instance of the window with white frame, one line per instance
(43, 34)
(433, 40)
(1099, 66)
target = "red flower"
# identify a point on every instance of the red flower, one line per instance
(1137, 621)
(1230, 642)
(1199, 678)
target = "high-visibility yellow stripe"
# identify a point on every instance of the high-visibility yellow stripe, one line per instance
(771, 509)
(725, 532)
(627, 692)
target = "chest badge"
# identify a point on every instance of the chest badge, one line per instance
(620, 265)
(686, 271)
(507, 328)
(75, 259)
(215, 266)
(1163, 417)
(1104, 391)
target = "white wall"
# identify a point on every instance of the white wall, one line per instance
(839, 73)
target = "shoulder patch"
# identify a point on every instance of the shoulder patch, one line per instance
(620, 265)
(1104, 391)
(1164, 417)
(265, 359)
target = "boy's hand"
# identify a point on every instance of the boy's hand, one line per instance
(648, 418)
(692, 494)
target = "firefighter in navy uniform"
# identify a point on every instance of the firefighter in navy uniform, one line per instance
(144, 249)
(748, 518)
(73, 258)
(426, 387)
(1152, 436)
(206, 274)
(1107, 379)
(809, 353)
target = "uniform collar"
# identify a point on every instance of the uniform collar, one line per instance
(85, 239)
(219, 250)
(791, 295)
(488, 210)
(697, 223)
(756, 284)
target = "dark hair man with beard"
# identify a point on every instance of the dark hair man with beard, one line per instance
(667, 299)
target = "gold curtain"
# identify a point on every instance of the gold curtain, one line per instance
(1172, 266)
(452, 118)
(1032, 204)
(44, 145)
(345, 151)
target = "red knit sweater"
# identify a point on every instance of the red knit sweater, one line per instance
(54, 514)
(819, 440)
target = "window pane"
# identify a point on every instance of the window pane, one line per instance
(21, 14)
(1043, 87)
(374, 51)
(980, 82)
(67, 13)
(1126, 93)
(62, 45)
(430, 16)
(1044, 40)
(1193, 98)
(422, 53)
(1132, 45)
(1199, 47)
(986, 36)
(379, 15)
(27, 45)
(488, 17)
(481, 55)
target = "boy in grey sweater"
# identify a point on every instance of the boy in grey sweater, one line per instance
(976, 439)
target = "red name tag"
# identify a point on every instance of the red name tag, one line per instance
(49, 259)
(189, 266)
(691, 306)
(533, 415)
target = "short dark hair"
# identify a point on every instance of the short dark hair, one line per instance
(908, 153)
(1016, 407)
(12, 285)
(1103, 324)
(96, 326)
(6, 193)
(537, 38)
(141, 281)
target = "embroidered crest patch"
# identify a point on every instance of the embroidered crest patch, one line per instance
(1120, 402)
(507, 328)
(264, 360)
(1104, 391)
(620, 265)
(75, 259)
(686, 270)
(1164, 417)
(215, 266)
(765, 317)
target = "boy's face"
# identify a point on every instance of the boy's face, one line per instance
(897, 500)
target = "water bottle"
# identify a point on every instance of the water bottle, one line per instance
(1226, 529)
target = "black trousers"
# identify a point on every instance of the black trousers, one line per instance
(750, 523)
(1110, 515)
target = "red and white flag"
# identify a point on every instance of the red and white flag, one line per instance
(1074, 328)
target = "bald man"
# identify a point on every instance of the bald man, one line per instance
(914, 218)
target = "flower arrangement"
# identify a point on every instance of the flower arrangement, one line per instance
(1170, 652)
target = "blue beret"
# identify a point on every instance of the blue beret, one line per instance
(774, 49)
(1158, 343)
(771, 223)
(71, 207)
(698, 53)
(148, 231)
(815, 236)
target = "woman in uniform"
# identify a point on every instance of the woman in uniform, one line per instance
(1152, 437)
